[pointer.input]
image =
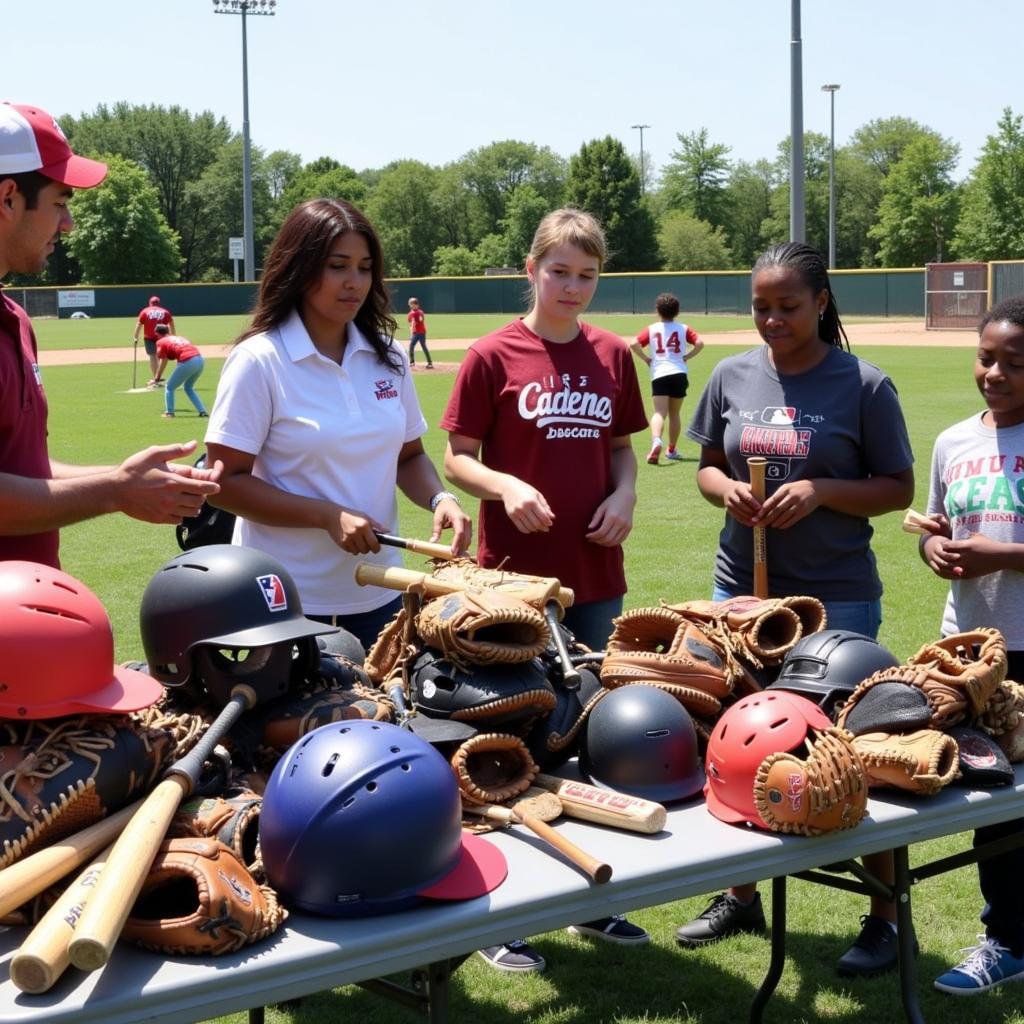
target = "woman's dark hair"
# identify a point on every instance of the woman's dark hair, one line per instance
(667, 306)
(1010, 310)
(810, 265)
(296, 260)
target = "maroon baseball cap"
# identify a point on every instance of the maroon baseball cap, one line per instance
(31, 140)
(154, 300)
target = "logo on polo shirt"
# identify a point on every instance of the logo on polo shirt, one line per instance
(385, 389)
(273, 592)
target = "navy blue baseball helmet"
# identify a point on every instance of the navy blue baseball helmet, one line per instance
(364, 818)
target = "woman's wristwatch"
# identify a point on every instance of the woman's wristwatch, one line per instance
(440, 496)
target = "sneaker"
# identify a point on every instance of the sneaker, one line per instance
(652, 455)
(612, 929)
(673, 455)
(203, 415)
(167, 415)
(874, 951)
(986, 965)
(517, 955)
(725, 915)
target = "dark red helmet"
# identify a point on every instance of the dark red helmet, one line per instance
(57, 649)
(769, 722)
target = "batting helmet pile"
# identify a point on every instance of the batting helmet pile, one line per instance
(223, 612)
(826, 667)
(364, 818)
(760, 724)
(45, 613)
(641, 741)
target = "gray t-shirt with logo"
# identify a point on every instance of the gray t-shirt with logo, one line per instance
(841, 419)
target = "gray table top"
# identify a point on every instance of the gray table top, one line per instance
(695, 854)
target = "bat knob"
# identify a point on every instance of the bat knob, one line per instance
(87, 954)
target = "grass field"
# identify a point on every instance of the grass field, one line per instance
(669, 555)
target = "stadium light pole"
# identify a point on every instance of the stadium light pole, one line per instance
(797, 215)
(643, 172)
(246, 7)
(831, 89)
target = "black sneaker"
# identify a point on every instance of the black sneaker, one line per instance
(517, 955)
(612, 929)
(874, 951)
(725, 915)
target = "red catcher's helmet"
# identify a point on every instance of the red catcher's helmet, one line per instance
(44, 612)
(769, 722)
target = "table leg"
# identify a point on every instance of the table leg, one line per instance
(257, 1014)
(764, 993)
(905, 941)
(438, 990)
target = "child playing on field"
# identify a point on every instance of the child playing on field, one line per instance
(976, 475)
(539, 423)
(417, 333)
(667, 342)
(186, 373)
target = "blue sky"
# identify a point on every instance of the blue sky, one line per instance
(368, 83)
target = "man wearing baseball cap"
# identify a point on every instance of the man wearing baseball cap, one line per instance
(38, 174)
(151, 316)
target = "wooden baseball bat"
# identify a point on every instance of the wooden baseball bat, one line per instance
(604, 807)
(122, 878)
(29, 876)
(422, 547)
(598, 871)
(756, 465)
(395, 578)
(43, 957)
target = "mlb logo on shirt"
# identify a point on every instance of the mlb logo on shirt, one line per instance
(780, 415)
(273, 592)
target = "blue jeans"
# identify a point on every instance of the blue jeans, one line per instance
(856, 616)
(364, 626)
(591, 623)
(421, 340)
(185, 376)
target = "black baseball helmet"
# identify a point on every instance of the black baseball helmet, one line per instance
(826, 667)
(640, 740)
(231, 603)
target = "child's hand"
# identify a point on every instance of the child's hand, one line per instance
(788, 505)
(740, 502)
(938, 559)
(611, 522)
(526, 507)
(976, 555)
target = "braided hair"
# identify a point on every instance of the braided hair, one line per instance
(809, 264)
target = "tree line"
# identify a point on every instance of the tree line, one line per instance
(174, 195)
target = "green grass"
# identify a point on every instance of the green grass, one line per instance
(669, 555)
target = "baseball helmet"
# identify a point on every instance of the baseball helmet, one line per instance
(363, 818)
(554, 738)
(217, 609)
(826, 667)
(770, 722)
(210, 525)
(45, 612)
(640, 740)
(344, 643)
(482, 694)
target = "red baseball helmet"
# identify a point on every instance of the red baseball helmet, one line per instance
(45, 612)
(763, 723)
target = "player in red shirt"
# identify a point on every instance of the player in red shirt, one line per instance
(186, 373)
(539, 423)
(418, 333)
(150, 317)
(663, 347)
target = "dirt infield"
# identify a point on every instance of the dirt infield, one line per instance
(895, 332)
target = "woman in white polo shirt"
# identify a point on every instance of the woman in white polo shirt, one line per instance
(316, 420)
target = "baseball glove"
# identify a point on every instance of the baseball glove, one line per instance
(919, 762)
(1003, 718)
(885, 702)
(534, 590)
(960, 673)
(554, 737)
(825, 792)
(662, 645)
(198, 900)
(233, 819)
(483, 627)
(982, 761)
(59, 775)
(388, 649)
(493, 767)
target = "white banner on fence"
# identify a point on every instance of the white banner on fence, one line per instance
(76, 299)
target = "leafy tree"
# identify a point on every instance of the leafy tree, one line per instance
(858, 194)
(453, 207)
(281, 168)
(121, 235)
(603, 181)
(919, 205)
(524, 212)
(776, 226)
(991, 224)
(403, 214)
(696, 177)
(456, 261)
(748, 200)
(881, 142)
(324, 178)
(687, 243)
(491, 252)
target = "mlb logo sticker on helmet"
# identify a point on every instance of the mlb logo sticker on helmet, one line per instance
(273, 592)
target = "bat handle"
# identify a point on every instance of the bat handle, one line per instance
(422, 547)
(598, 870)
(570, 674)
(756, 465)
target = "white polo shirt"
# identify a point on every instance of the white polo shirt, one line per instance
(323, 431)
